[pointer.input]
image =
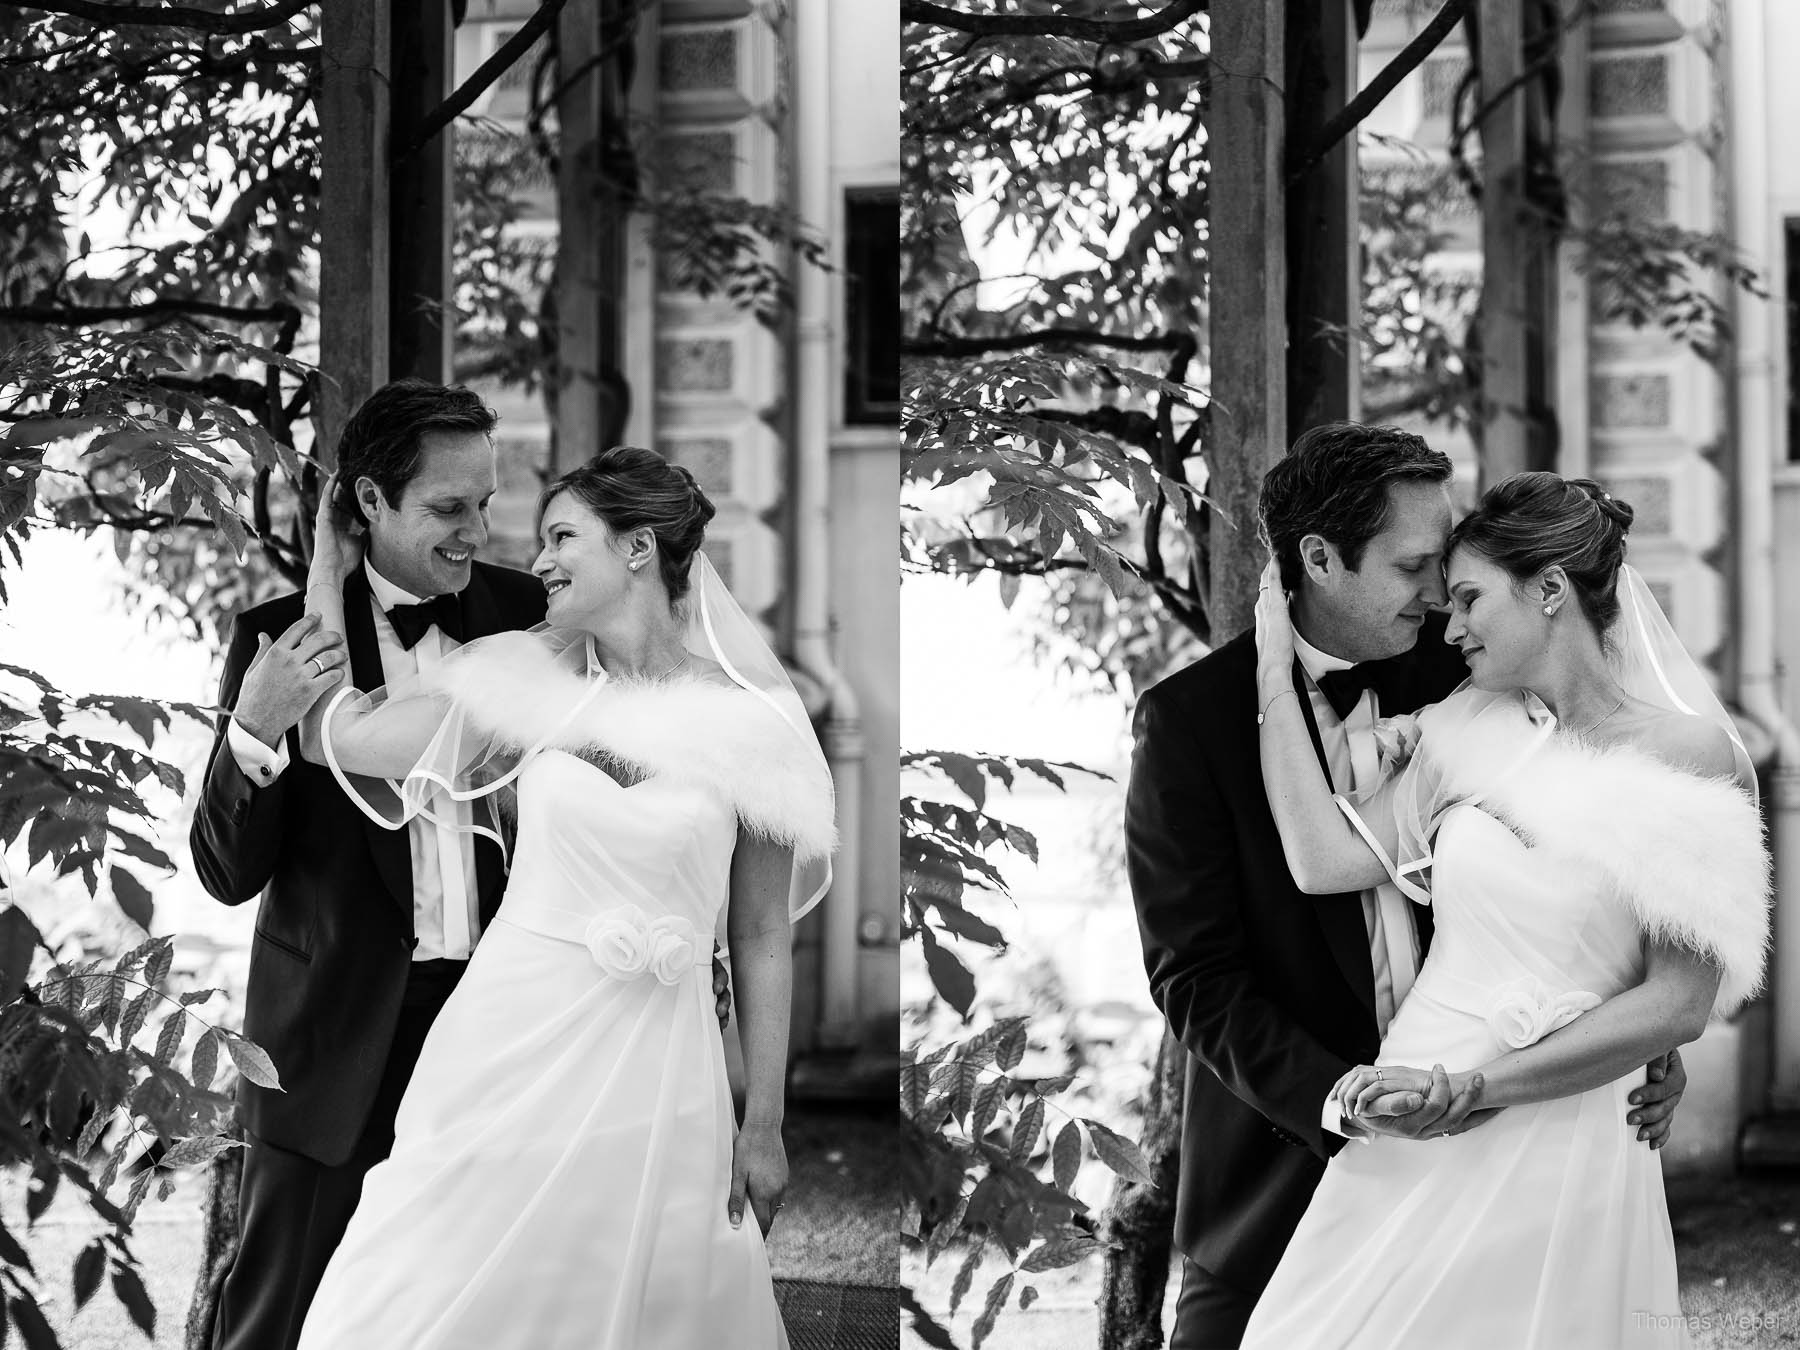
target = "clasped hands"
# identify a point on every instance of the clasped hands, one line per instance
(1418, 1104)
(1410, 1103)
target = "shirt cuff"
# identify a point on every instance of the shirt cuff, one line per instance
(259, 763)
(1332, 1118)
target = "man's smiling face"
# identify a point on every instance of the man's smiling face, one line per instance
(425, 540)
(1376, 609)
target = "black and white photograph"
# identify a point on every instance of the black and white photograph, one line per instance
(1348, 642)
(449, 674)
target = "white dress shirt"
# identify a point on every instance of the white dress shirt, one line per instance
(443, 860)
(1354, 765)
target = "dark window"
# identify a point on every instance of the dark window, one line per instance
(1790, 231)
(872, 309)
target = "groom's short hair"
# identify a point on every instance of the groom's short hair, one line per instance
(383, 438)
(1334, 483)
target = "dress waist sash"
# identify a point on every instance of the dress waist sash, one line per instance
(625, 942)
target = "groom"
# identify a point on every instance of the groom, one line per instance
(362, 932)
(1276, 994)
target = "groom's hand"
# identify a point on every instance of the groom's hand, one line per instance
(1653, 1104)
(721, 989)
(1444, 1107)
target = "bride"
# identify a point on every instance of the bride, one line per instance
(1580, 816)
(565, 1170)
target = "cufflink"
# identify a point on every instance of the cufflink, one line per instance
(264, 771)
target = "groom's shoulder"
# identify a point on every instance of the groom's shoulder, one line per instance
(1435, 667)
(1226, 673)
(519, 594)
(272, 616)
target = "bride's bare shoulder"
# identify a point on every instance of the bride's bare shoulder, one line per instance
(1693, 744)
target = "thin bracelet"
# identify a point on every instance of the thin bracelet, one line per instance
(1270, 704)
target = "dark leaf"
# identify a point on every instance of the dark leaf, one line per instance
(90, 1268)
(1065, 1156)
(1118, 1153)
(923, 1325)
(133, 897)
(199, 1149)
(31, 1324)
(1027, 1129)
(129, 1287)
(965, 1275)
(996, 1300)
(18, 940)
(206, 1060)
(948, 975)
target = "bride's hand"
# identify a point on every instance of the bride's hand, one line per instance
(1274, 626)
(337, 539)
(1399, 1090)
(759, 1171)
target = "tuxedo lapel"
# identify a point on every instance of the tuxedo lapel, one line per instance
(481, 617)
(481, 614)
(1340, 916)
(1396, 684)
(390, 849)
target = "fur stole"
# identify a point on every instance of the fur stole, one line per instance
(513, 690)
(1685, 853)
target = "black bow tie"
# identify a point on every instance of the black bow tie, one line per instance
(1342, 688)
(411, 621)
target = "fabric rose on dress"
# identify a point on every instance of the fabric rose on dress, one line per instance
(1527, 1011)
(1395, 740)
(627, 944)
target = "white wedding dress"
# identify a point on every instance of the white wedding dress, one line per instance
(562, 1156)
(1546, 1227)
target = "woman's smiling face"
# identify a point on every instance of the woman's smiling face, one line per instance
(1493, 621)
(582, 563)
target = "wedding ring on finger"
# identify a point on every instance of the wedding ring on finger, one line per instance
(313, 660)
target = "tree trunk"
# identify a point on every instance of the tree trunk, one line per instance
(218, 1244)
(1140, 1219)
(1248, 426)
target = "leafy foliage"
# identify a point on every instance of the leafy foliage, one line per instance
(1069, 405)
(986, 1167)
(1054, 433)
(84, 1102)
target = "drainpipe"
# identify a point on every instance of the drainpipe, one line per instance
(1758, 400)
(816, 375)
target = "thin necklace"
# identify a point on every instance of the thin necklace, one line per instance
(681, 661)
(1590, 730)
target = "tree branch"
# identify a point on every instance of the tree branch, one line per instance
(169, 16)
(489, 71)
(1348, 117)
(1130, 425)
(1051, 25)
(243, 394)
(86, 314)
(1130, 77)
(1012, 342)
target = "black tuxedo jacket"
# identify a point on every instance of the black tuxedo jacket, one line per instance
(334, 934)
(1270, 990)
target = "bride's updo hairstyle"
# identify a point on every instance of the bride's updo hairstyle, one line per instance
(632, 488)
(1531, 521)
